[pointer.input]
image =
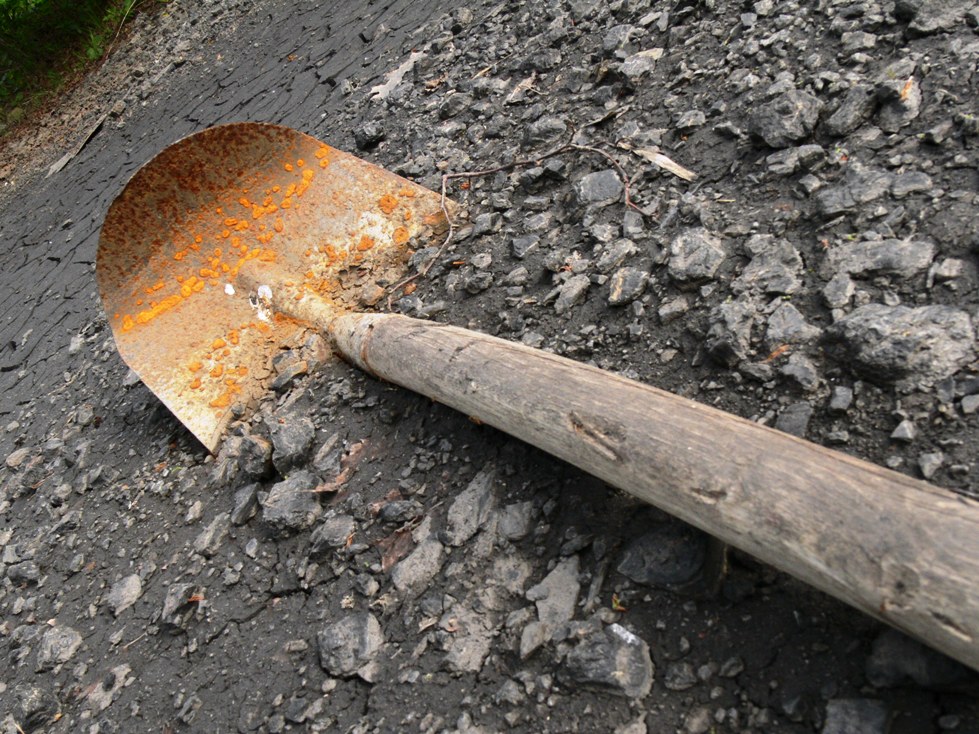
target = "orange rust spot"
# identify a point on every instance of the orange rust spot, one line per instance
(139, 301)
(407, 192)
(208, 273)
(276, 189)
(366, 243)
(322, 152)
(288, 166)
(218, 343)
(267, 256)
(400, 236)
(198, 239)
(221, 401)
(387, 203)
(180, 255)
(245, 203)
(407, 215)
(286, 203)
(194, 366)
(230, 222)
(127, 322)
(225, 234)
(308, 175)
(195, 383)
(217, 371)
(300, 163)
(242, 371)
(324, 163)
(233, 336)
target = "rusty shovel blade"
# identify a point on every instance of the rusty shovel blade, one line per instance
(178, 242)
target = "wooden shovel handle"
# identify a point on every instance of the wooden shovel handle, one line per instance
(897, 548)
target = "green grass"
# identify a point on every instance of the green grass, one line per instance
(43, 42)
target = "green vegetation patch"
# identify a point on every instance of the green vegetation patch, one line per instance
(42, 40)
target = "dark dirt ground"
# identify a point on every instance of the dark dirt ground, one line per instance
(145, 585)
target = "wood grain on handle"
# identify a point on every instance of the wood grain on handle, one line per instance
(895, 547)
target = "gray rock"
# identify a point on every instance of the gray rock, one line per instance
(331, 534)
(516, 520)
(571, 293)
(17, 457)
(855, 716)
(787, 119)
(929, 463)
(679, 676)
(802, 370)
(255, 456)
(292, 504)
(839, 291)
(413, 574)
(899, 112)
(615, 254)
(545, 131)
(245, 504)
(910, 182)
(454, 104)
(896, 660)
(860, 185)
(773, 270)
(731, 668)
(600, 188)
(639, 64)
(858, 104)
(698, 720)
(729, 335)
(350, 644)
(124, 593)
(694, 256)
(58, 646)
(903, 258)
(368, 135)
(292, 438)
(905, 431)
(557, 594)
(672, 308)
(788, 161)
(907, 346)
(689, 121)
(626, 285)
(36, 707)
(209, 542)
(931, 16)
(25, 572)
(288, 375)
(179, 606)
(487, 223)
(470, 640)
(471, 508)
(794, 419)
(521, 246)
(668, 555)
(787, 326)
(840, 399)
(612, 659)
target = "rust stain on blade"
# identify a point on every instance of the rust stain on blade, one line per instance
(232, 201)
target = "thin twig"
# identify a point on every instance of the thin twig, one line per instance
(521, 163)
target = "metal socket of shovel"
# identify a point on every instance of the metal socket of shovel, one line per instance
(235, 241)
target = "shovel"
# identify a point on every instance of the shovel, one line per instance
(232, 243)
